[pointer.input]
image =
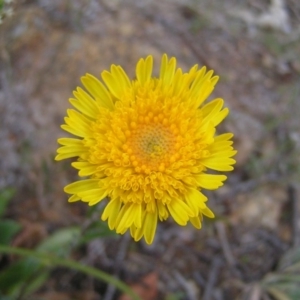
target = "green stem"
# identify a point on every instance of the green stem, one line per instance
(49, 259)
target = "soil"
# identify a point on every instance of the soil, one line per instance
(254, 46)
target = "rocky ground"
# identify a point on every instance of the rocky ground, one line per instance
(254, 45)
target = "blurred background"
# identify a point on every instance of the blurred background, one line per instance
(251, 250)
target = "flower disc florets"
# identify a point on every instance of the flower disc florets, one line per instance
(147, 145)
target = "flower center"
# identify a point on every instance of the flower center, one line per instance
(151, 146)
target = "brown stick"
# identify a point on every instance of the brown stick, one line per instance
(224, 244)
(212, 278)
(293, 194)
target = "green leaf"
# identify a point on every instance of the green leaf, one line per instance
(14, 276)
(175, 296)
(289, 290)
(2, 297)
(61, 242)
(98, 229)
(281, 278)
(277, 294)
(8, 229)
(290, 258)
(37, 282)
(282, 286)
(5, 196)
(74, 265)
(25, 276)
(295, 268)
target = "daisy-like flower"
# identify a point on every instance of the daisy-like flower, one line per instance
(146, 145)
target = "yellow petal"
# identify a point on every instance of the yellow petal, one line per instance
(85, 168)
(73, 130)
(193, 73)
(179, 82)
(162, 211)
(210, 181)
(220, 116)
(224, 137)
(224, 153)
(213, 106)
(77, 124)
(196, 222)
(167, 70)
(138, 216)
(207, 212)
(131, 211)
(212, 112)
(116, 80)
(85, 101)
(196, 200)
(202, 86)
(201, 78)
(219, 163)
(98, 91)
(93, 196)
(218, 146)
(126, 220)
(81, 186)
(180, 211)
(111, 212)
(74, 198)
(69, 151)
(144, 69)
(150, 226)
(139, 232)
(69, 142)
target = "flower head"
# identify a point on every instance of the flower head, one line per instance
(147, 145)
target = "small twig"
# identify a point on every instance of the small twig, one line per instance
(190, 292)
(218, 295)
(255, 293)
(111, 289)
(184, 35)
(293, 194)
(199, 279)
(250, 185)
(252, 292)
(224, 244)
(212, 278)
(272, 240)
(95, 250)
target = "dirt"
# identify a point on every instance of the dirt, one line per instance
(46, 46)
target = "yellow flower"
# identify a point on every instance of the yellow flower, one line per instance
(147, 145)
